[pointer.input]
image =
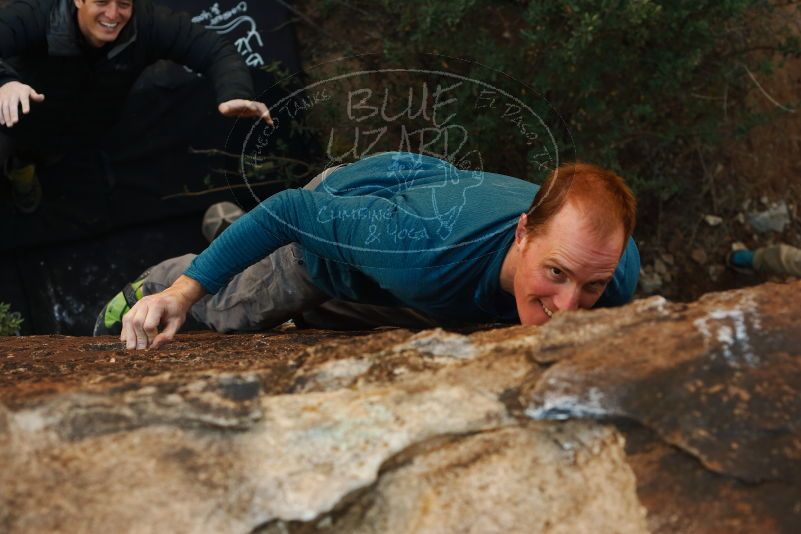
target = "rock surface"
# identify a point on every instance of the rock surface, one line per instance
(528, 478)
(655, 417)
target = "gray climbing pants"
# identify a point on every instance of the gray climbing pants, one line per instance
(778, 259)
(276, 289)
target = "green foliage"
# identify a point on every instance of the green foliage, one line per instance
(9, 321)
(645, 87)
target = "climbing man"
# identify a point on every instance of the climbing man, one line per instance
(398, 239)
(67, 66)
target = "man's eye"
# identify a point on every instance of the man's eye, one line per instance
(556, 272)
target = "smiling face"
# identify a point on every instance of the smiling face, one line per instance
(101, 21)
(564, 267)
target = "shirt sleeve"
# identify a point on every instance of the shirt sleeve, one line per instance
(22, 26)
(621, 288)
(177, 38)
(337, 228)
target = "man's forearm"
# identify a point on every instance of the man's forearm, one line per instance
(229, 75)
(335, 227)
(203, 51)
(7, 73)
(252, 237)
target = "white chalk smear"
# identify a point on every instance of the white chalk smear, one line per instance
(730, 328)
(561, 406)
(439, 343)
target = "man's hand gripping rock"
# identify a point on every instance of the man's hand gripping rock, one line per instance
(168, 309)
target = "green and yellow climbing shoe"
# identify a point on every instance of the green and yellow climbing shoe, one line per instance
(25, 188)
(109, 321)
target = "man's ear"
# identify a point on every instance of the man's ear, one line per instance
(521, 232)
(78, 3)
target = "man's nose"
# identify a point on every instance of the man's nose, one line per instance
(111, 10)
(567, 299)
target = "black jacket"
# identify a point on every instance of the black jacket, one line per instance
(42, 46)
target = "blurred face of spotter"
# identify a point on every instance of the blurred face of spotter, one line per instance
(565, 266)
(101, 21)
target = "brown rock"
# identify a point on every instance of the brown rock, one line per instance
(549, 478)
(699, 256)
(715, 271)
(307, 431)
(650, 281)
(682, 496)
(722, 382)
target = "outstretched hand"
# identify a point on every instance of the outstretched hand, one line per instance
(245, 108)
(168, 309)
(12, 96)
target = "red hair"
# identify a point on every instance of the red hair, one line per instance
(601, 194)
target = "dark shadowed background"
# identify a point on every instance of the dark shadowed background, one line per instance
(111, 211)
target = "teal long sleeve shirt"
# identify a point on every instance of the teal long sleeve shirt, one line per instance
(398, 229)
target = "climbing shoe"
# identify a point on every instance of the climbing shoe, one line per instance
(26, 191)
(109, 321)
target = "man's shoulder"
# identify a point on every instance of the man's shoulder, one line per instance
(43, 5)
(29, 9)
(407, 172)
(621, 288)
(157, 19)
(25, 24)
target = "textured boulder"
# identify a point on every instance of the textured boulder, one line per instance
(532, 478)
(720, 379)
(654, 417)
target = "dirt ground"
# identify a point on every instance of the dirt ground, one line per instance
(33, 367)
(761, 168)
(37, 366)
